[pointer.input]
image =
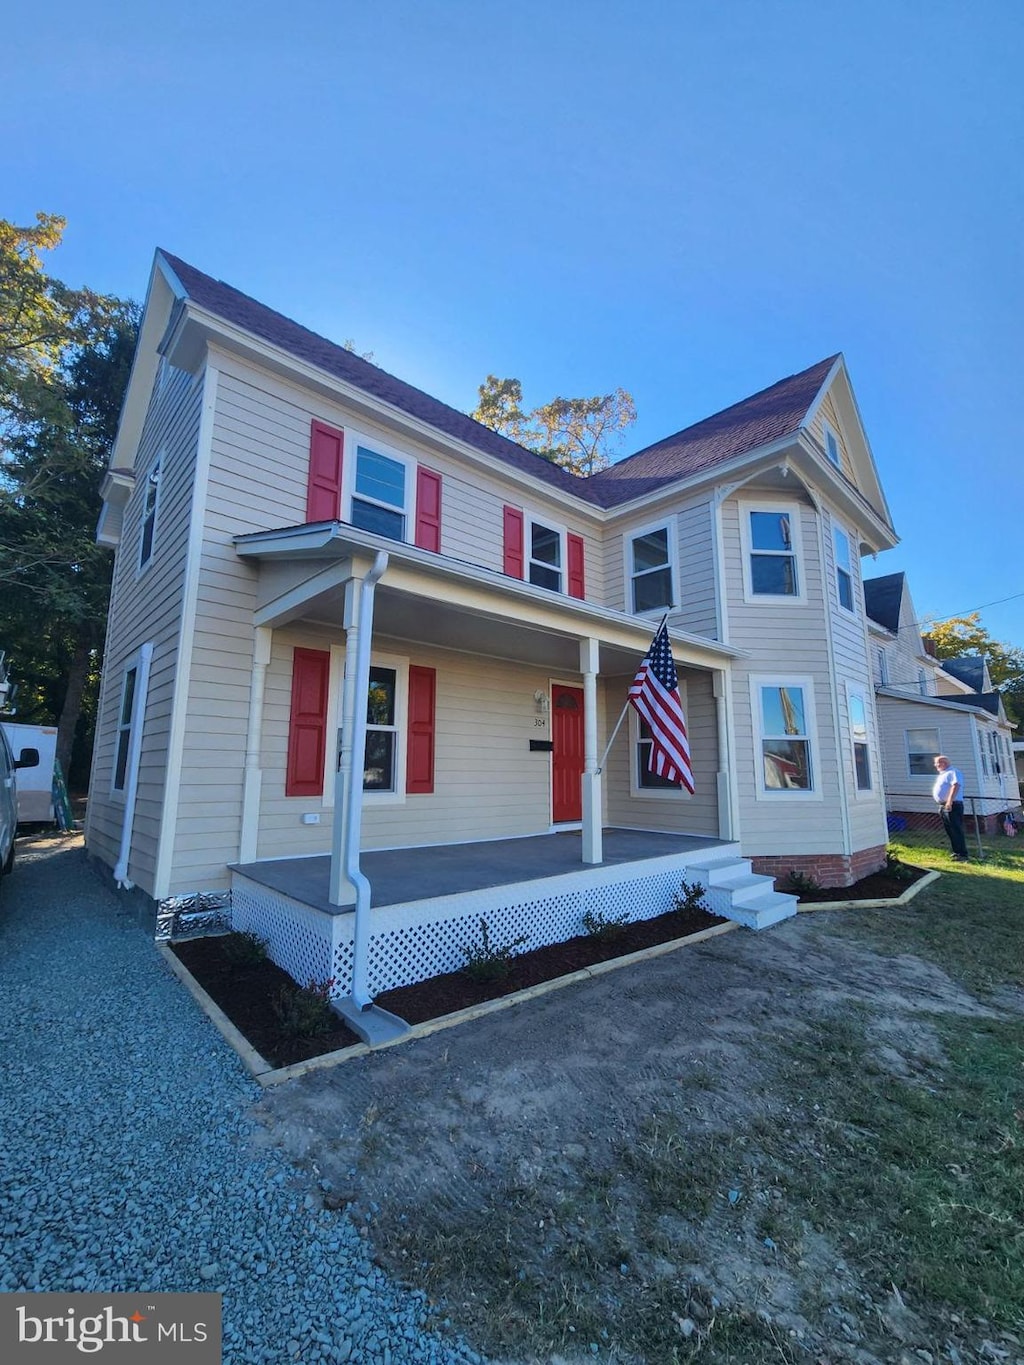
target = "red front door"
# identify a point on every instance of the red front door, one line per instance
(567, 755)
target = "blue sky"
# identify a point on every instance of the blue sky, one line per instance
(690, 200)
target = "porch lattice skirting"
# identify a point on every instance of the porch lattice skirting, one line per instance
(420, 939)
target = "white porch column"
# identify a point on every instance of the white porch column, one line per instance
(723, 777)
(252, 783)
(593, 850)
(342, 891)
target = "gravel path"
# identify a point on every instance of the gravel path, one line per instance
(128, 1161)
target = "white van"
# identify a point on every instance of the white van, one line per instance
(28, 758)
(35, 788)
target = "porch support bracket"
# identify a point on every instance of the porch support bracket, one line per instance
(593, 849)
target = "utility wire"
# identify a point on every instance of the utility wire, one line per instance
(953, 615)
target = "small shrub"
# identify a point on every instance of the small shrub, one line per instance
(305, 1011)
(244, 949)
(487, 961)
(897, 868)
(690, 897)
(604, 927)
(802, 883)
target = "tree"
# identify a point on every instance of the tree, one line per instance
(577, 433)
(64, 364)
(959, 636)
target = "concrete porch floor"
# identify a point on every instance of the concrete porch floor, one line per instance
(400, 875)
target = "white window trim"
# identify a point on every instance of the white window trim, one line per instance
(827, 430)
(353, 440)
(134, 661)
(667, 525)
(919, 777)
(794, 511)
(154, 478)
(839, 529)
(655, 793)
(529, 521)
(806, 684)
(401, 668)
(862, 793)
(882, 659)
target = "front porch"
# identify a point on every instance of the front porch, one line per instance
(427, 903)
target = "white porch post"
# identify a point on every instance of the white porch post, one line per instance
(253, 779)
(723, 777)
(593, 851)
(341, 890)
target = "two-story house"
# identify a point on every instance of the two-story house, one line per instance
(367, 659)
(928, 706)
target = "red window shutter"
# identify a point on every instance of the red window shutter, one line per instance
(419, 767)
(307, 729)
(323, 494)
(513, 542)
(428, 510)
(575, 556)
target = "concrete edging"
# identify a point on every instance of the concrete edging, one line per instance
(262, 1071)
(894, 901)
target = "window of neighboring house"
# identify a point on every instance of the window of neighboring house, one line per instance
(985, 769)
(922, 682)
(993, 746)
(922, 750)
(379, 493)
(149, 510)
(883, 667)
(844, 568)
(771, 551)
(831, 444)
(861, 742)
(124, 729)
(783, 712)
(650, 570)
(545, 550)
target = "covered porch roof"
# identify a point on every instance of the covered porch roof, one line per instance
(436, 599)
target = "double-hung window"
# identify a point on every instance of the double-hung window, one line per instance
(770, 534)
(149, 511)
(650, 570)
(379, 768)
(844, 567)
(380, 493)
(546, 550)
(784, 714)
(124, 729)
(860, 739)
(922, 749)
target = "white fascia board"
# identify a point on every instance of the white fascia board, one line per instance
(838, 364)
(855, 506)
(236, 339)
(839, 369)
(163, 288)
(329, 540)
(942, 702)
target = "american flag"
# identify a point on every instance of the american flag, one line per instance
(654, 695)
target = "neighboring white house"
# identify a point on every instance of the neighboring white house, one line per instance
(262, 476)
(928, 707)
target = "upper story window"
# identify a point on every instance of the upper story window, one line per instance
(831, 440)
(784, 716)
(649, 568)
(770, 534)
(922, 682)
(844, 568)
(379, 493)
(149, 513)
(546, 545)
(882, 659)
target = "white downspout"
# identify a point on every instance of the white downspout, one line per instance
(134, 760)
(353, 813)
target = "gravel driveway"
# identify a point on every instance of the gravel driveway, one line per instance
(128, 1153)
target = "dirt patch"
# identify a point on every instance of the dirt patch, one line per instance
(595, 1170)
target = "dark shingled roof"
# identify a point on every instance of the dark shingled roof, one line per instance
(969, 668)
(988, 701)
(767, 416)
(883, 598)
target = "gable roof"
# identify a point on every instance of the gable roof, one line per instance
(767, 416)
(883, 598)
(988, 701)
(969, 669)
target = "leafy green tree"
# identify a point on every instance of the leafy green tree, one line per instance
(959, 636)
(63, 372)
(580, 434)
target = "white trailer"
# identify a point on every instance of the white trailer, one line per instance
(35, 785)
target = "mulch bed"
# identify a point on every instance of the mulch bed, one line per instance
(245, 993)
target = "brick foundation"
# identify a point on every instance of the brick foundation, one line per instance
(827, 869)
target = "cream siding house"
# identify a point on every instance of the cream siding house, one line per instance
(263, 479)
(927, 707)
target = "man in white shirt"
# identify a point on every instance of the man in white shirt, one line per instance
(948, 793)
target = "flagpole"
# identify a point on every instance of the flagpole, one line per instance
(622, 717)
